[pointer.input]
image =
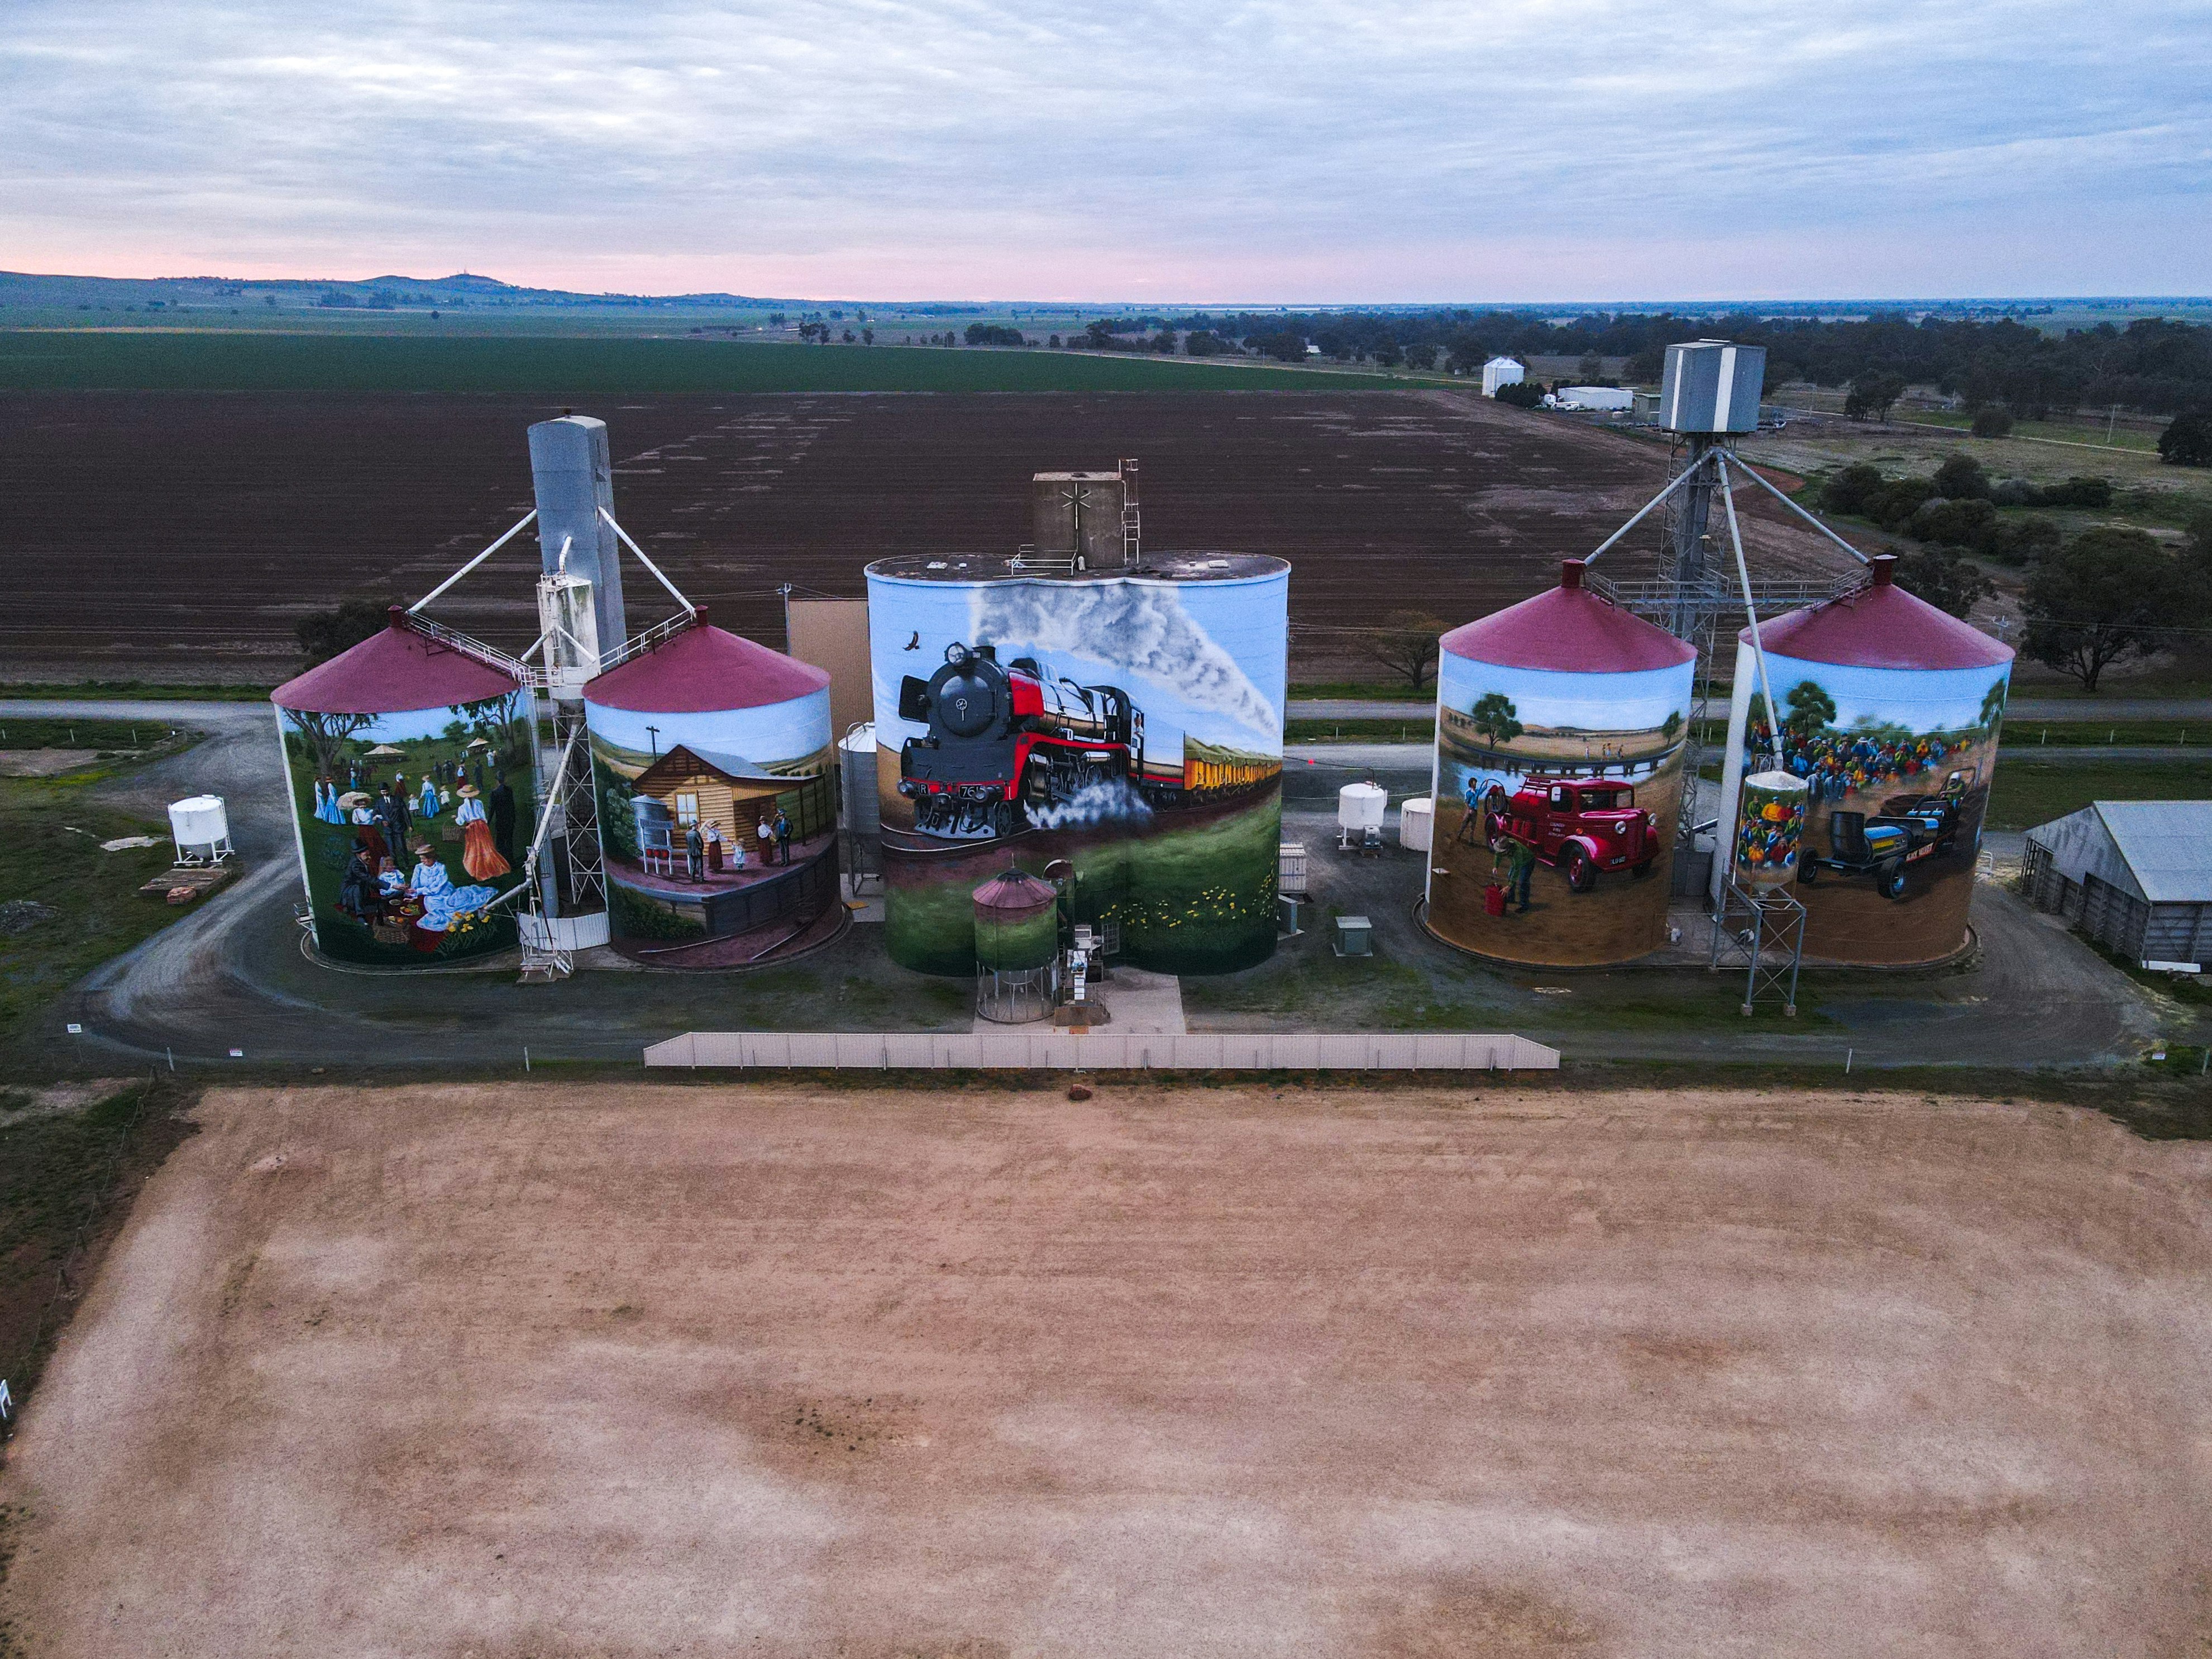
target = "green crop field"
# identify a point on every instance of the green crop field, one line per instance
(177, 361)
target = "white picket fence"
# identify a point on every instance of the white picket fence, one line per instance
(1102, 1051)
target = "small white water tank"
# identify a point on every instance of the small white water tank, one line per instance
(1416, 824)
(201, 828)
(1359, 807)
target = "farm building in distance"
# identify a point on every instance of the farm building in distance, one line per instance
(2134, 875)
(1498, 372)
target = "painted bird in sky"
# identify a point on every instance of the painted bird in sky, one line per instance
(914, 644)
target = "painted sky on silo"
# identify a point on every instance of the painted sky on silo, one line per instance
(1319, 151)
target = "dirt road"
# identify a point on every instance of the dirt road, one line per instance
(560, 1371)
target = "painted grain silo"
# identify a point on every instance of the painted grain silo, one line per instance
(1890, 714)
(697, 744)
(1560, 723)
(413, 798)
(1125, 723)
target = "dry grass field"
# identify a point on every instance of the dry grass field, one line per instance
(573, 1371)
(181, 535)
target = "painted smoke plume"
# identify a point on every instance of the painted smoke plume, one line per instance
(1143, 627)
(1107, 800)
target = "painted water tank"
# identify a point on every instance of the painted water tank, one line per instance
(1891, 711)
(413, 797)
(729, 739)
(1127, 724)
(1560, 723)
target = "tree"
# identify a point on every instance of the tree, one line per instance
(1960, 478)
(326, 633)
(1590, 368)
(1993, 423)
(1406, 644)
(326, 734)
(1199, 343)
(1521, 394)
(1873, 396)
(2108, 593)
(1993, 707)
(1951, 584)
(1812, 710)
(1496, 718)
(2187, 440)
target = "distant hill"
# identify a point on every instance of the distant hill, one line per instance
(462, 291)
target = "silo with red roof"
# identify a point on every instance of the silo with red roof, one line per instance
(699, 743)
(413, 797)
(1891, 711)
(1560, 724)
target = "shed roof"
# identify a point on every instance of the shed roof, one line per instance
(1568, 629)
(394, 672)
(735, 769)
(2168, 845)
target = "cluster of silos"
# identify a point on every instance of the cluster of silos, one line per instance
(413, 793)
(717, 801)
(1560, 727)
(1115, 722)
(1874, 797)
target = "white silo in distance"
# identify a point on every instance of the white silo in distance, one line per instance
(1500, 371)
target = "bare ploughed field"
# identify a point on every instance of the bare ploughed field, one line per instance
(181, 535)
(588, 1370)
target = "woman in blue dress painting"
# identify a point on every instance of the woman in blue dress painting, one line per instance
(428, 808)
(442, 903)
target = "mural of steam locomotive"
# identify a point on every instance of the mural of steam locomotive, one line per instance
(1010, 745)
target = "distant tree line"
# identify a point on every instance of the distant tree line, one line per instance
(2152, 365)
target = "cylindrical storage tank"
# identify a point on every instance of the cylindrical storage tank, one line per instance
(1560, 723)
(1127, 724)
(1891, 711)
(414, 798)
(1770, 829)
(728, 737)
(200, 825)
(1416, 820)
(1016, 922)
(857, 811)
(1359, 808)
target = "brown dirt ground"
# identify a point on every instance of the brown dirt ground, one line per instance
(501, 1370)
(180, 536)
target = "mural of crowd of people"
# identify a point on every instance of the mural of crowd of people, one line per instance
(1896, 765)
(1557, 799)
(412, 826)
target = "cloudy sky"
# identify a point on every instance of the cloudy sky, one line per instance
(1249, 150)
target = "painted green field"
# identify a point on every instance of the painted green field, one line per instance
(89, 361)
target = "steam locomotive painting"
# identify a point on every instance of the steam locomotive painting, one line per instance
(1010, 747)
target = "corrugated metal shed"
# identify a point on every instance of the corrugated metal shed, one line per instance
(2135, 875)
(2168, 845)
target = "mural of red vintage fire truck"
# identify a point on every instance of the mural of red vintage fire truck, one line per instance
(1008, 744)
(1581, 827)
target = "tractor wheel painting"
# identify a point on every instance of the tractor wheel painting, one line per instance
(1125, 733)
(1557, 799)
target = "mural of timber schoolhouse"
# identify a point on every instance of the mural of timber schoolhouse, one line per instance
(1890, 713)
(413, 798)
(718, 809)
(1560, 724)
(1120, 734)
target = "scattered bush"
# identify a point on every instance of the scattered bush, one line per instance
(992, 334)
(1993, 423)
(1942, 578)
(2187, 440)
(1961, 479)
(1526, 394)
